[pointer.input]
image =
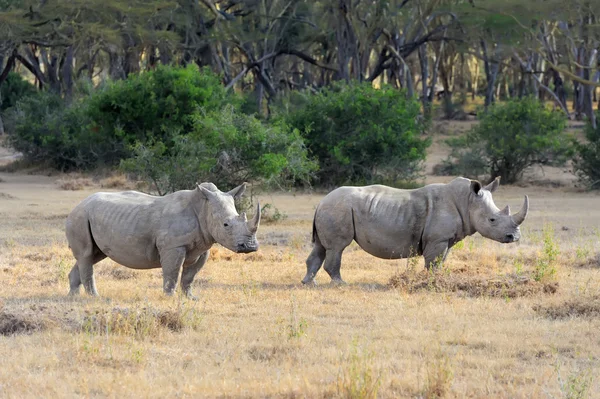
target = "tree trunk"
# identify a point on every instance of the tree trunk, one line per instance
(491, 73)
(115, 66)
(424, 77)
(475, 80)
(67, 73)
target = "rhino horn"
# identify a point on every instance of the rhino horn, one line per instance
(243, 216)
(253, 225)
(505, 211)
(520, 217)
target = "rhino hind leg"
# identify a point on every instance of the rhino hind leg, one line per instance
(333, 262)
(89, 283)
(314, 262)
(188, 274)
(86, 253)
(74, 280)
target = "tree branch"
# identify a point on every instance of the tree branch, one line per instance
(543, 86)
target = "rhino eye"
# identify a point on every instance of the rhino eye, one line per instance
(492, 220)
(226, 224)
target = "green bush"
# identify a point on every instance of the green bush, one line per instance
(154, 105)
(45, 129)
(587, 157)
(225, 147)
(13, 89)
(100, 126)
(510, 137)
(360, 134)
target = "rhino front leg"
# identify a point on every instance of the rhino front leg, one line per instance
(435, 254)
(171, 261)
(333, 262)
(188, 274)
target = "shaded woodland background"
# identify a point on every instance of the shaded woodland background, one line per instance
(496, 49)
(453, 52)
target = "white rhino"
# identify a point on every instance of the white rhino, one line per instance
(142, 231)
(391, 224)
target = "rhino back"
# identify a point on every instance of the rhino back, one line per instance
(387, 222)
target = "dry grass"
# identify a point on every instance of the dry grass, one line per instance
(74, 182)
(495, 322)
(505, 286)
(584, 306)
(117, 181)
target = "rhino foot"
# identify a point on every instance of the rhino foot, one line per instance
(311, 283)
(338, 282)
(191, 296)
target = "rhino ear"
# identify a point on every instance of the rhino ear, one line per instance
(238, 191)
(493, 185)
(206, 193)
(476, 187)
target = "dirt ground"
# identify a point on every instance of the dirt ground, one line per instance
(501, 321)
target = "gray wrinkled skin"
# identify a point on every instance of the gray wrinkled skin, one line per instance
(142, 231)
(391, 224)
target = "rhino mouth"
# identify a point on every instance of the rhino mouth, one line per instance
(244, 248)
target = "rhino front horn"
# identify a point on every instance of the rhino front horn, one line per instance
(255, 222)
(520, 217)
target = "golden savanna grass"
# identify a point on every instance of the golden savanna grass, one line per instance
(501, 321)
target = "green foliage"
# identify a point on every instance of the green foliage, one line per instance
(466, 159)
(154, 105)
(224, 147)
(545, 267)
(510, 137)
(99, 127)
(358, 378)
(587, 159)
(13, 89)
(360, 134)
(45, 129)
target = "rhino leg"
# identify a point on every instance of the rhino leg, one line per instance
(333, 262)
(188, 274)
(75, 280)
(171, 261)
(435, 254)
(314, 262)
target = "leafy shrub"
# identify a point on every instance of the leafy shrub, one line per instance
(99, 127)
(510, 137)
(154, 105)
(45, 129)
(225, 147)
(13, 89)
(471, 158)
(360, 134)
(587, 159)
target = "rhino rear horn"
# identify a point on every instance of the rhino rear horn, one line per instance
(255, 222)
(520, 217)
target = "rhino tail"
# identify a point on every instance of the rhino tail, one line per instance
(314, 230)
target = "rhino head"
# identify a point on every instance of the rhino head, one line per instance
(488, 220)
(225, 225)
